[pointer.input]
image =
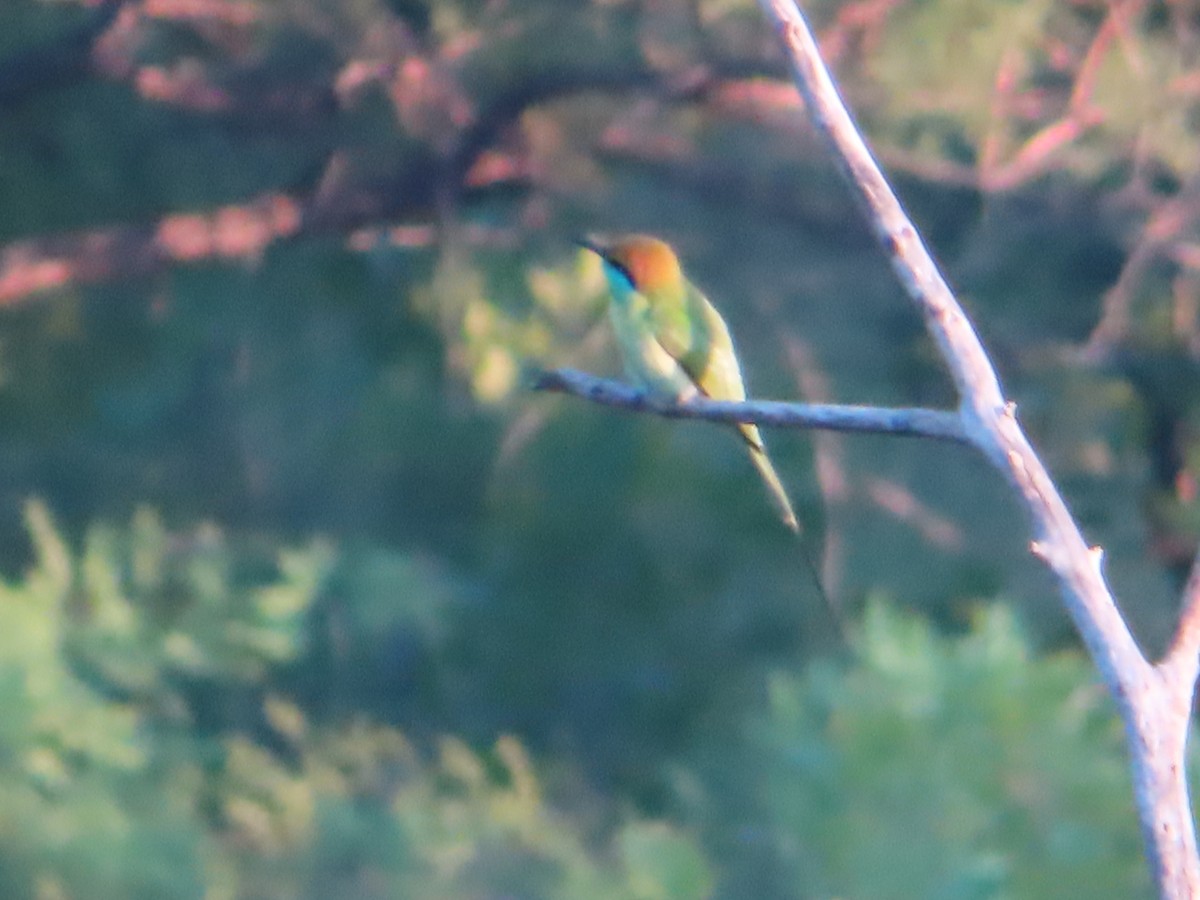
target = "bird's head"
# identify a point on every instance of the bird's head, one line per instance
(637, 262)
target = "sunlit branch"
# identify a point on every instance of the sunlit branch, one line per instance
(912, 422)
(1153, 705)
(988, 418)
(60, 261)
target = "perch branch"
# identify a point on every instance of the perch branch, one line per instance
(928, 423)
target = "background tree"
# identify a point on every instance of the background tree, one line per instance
(277, 267)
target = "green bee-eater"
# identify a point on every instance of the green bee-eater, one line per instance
(673, 341)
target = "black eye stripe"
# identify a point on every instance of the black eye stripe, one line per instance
(618, 267)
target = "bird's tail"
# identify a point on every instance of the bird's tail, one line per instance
(779, 497)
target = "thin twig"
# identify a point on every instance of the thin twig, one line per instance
(910, 422)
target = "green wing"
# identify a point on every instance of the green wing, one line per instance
(691, 330)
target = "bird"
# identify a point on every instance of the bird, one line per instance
(673, 342)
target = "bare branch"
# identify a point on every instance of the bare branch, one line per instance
(988, 418)
(1154, 707)
(928, 423)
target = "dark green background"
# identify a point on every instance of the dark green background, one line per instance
(307, 595)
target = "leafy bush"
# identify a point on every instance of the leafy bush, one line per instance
(948, 768)
(145, 753)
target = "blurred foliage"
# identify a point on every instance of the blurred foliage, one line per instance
(117, 782)
(528, 647)
(937, 768)
(923, 766)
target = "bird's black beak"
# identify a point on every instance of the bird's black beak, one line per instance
(588, 242)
